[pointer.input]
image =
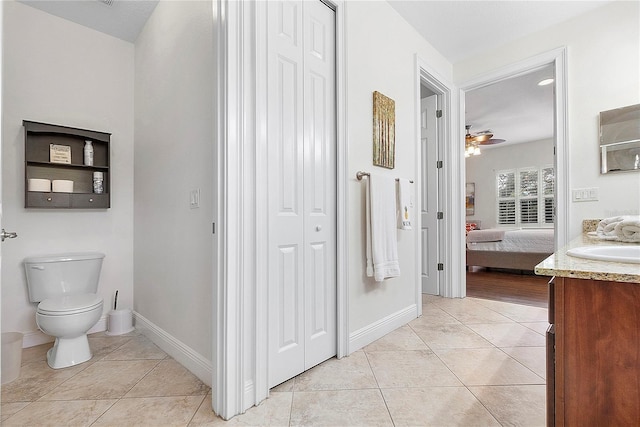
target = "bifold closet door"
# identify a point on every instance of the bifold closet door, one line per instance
(302, 186)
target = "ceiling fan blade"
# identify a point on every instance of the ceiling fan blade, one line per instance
(481, 138)
(492, 141)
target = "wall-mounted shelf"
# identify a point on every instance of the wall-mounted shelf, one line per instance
(38, 138)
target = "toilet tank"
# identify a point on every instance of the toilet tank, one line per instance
(54, 276)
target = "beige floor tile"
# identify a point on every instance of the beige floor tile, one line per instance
(509, 335)
(426, 298)
(285, 386)
(274, 411)
(169, 378)
(410, 369)
(140, 348)
(103, 345)
(351, 372)
(67, 413)
(36, 353)
(403, 338)
(486, 366)
(103, 380)
(436, 406)
(434, 315)
(539, 327)
(339, 408)
(515, 405)
(37, 379)
(450, 336)
(8, 409)
(469, 311)
(516, 312)
(151, 411)
(534, 358)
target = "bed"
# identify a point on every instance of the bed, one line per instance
(514, 249)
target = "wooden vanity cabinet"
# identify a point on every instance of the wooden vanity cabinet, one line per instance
(593, 353)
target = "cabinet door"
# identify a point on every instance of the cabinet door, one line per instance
(551, 376)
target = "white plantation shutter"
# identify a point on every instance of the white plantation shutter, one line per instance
(525, 196)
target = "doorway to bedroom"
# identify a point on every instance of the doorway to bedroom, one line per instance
(510, 186)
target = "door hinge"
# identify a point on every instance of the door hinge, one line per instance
(440, 266)
(439, 164)
(440, 215)
(213, 228)
(438, 113)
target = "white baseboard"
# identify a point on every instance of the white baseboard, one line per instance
(38, 337)
(370, 333)
(183, 354)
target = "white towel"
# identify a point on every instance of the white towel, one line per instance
(619, 228)
(381, 244)
(405, 204)
(628, 230)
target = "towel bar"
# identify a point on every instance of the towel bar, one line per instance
(360, 175)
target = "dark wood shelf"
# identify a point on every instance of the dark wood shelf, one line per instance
(38, 139)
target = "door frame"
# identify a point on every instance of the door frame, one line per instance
(240, 298)
(450, 202)
(558, 59)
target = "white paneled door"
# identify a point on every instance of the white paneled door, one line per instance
(429, 208)
(301, 139)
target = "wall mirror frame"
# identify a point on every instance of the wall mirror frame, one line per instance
(620, 139)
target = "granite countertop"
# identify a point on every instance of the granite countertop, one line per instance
(562, 265)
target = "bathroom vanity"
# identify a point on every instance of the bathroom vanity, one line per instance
(593, 341)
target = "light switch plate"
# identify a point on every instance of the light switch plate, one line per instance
(585, 194)
(194, 198)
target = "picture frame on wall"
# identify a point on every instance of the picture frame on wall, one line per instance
(470, 198)
(384, 131)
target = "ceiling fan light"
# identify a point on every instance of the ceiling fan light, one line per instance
(476, 151)
(545, 82)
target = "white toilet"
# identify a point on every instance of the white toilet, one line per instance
(65, 286)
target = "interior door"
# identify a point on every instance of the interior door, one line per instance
(302, 184)
(429, 206)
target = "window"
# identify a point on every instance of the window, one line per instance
(525, 196)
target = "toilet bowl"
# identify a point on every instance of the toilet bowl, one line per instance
(69, 319)
(65, 287)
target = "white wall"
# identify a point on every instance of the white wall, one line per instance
(59, 72)
(174, 155)
(603, 73)
(380, 56)
(481, 170)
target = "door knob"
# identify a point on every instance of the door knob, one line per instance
(318, 227)
(7, 235)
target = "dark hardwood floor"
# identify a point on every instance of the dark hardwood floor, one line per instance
(508, 286)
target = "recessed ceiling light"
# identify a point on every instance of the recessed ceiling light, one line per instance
(545, 82)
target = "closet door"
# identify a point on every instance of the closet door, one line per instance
(302, 225)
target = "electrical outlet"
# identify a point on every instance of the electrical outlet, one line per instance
(194, 198)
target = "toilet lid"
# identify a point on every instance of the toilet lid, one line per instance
(71, 304)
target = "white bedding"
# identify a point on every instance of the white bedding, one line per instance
(536, 240)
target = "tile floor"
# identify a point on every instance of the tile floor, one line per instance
(469, 362)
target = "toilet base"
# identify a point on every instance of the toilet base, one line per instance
(68, 352)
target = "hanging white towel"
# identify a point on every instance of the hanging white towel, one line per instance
(382, 243)
(405, 204)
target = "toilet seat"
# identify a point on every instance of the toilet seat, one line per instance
(71, 304)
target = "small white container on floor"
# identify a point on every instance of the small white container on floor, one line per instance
(120, 322)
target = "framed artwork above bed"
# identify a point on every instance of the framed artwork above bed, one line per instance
(470, 198)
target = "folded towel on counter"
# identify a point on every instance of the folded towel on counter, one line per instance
(405, 204)
(619, 228)
(381, 234)
(629, 229)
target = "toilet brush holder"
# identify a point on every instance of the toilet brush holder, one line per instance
(120, 322)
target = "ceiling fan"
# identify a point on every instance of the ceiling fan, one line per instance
(472, 142)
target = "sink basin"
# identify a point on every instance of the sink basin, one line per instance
(608, 253)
